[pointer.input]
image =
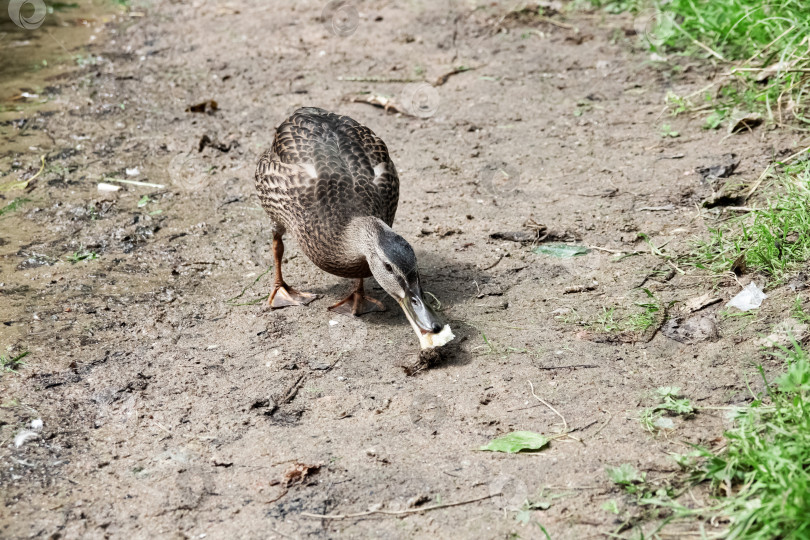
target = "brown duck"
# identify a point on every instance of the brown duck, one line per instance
(330, 182)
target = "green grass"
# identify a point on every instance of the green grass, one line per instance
(760, 45)
(668, 402)
(766, 464)
(773, 240)
(13, 206)
(759, 477)
(10, 364)
(82, 255)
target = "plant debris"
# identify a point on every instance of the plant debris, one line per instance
(517, 441)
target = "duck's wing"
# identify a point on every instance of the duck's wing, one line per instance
(340, 169)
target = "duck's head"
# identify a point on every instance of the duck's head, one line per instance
(393, 264)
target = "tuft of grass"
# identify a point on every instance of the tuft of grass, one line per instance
(669, 402)
(762, 46)
(82, 255)
(764, 472)
(9, 364)
(626, 476)
(773, 240)
(13, 206)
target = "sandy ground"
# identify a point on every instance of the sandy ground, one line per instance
(170, 410)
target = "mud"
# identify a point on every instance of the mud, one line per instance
(175, 404)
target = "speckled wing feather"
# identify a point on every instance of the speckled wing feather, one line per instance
(323, 170)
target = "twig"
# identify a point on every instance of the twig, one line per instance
(378, 79)
(291, 391)
(135, 183)
(279, 497)
(538, 398)
(396, 512)
(568, 367)
(598, 431)
(493, 265)
(768, 169)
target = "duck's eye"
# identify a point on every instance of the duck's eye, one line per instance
(388, 268)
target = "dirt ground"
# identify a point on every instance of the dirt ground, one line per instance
(175, 406)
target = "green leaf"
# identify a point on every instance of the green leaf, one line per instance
(562, 251)
(624, 474)
(517, 441)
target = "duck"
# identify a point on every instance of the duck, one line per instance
(329, 181)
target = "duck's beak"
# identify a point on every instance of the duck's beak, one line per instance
(424, 320)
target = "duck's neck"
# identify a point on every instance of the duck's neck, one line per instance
(363, 234)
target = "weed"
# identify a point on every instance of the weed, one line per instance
(667, 131)
(774, 240)
(669, 402)
(13, 206)
(798, 311)
(82, 255)
(627, 476)
(9, 364)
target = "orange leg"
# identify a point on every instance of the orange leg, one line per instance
(357, 303)
(283, 295)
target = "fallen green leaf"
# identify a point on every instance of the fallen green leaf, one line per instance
(562, 251)
(517, 441)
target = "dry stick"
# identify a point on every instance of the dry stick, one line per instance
(396, 512)
(538, 398)
(598, 431)
(767, 170)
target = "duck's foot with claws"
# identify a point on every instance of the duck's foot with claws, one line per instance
(357, 303)
(283, 296)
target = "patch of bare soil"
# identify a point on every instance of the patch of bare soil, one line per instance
(174, 405)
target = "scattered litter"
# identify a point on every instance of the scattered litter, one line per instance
(536, 235)
(563, 251)
(580, 288)
(23, 436)
(749, 298)
(333, 323)
(692, 330)
(784, 333)
(517, 441)
(664, 423)
(36, 424)
(744, 122)
(699, 302)
(426, 359)
(208, 106)
(136, 183)
(133, 171)
(298, 472)
(721, 170)
(377, 100)
(107, 188)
